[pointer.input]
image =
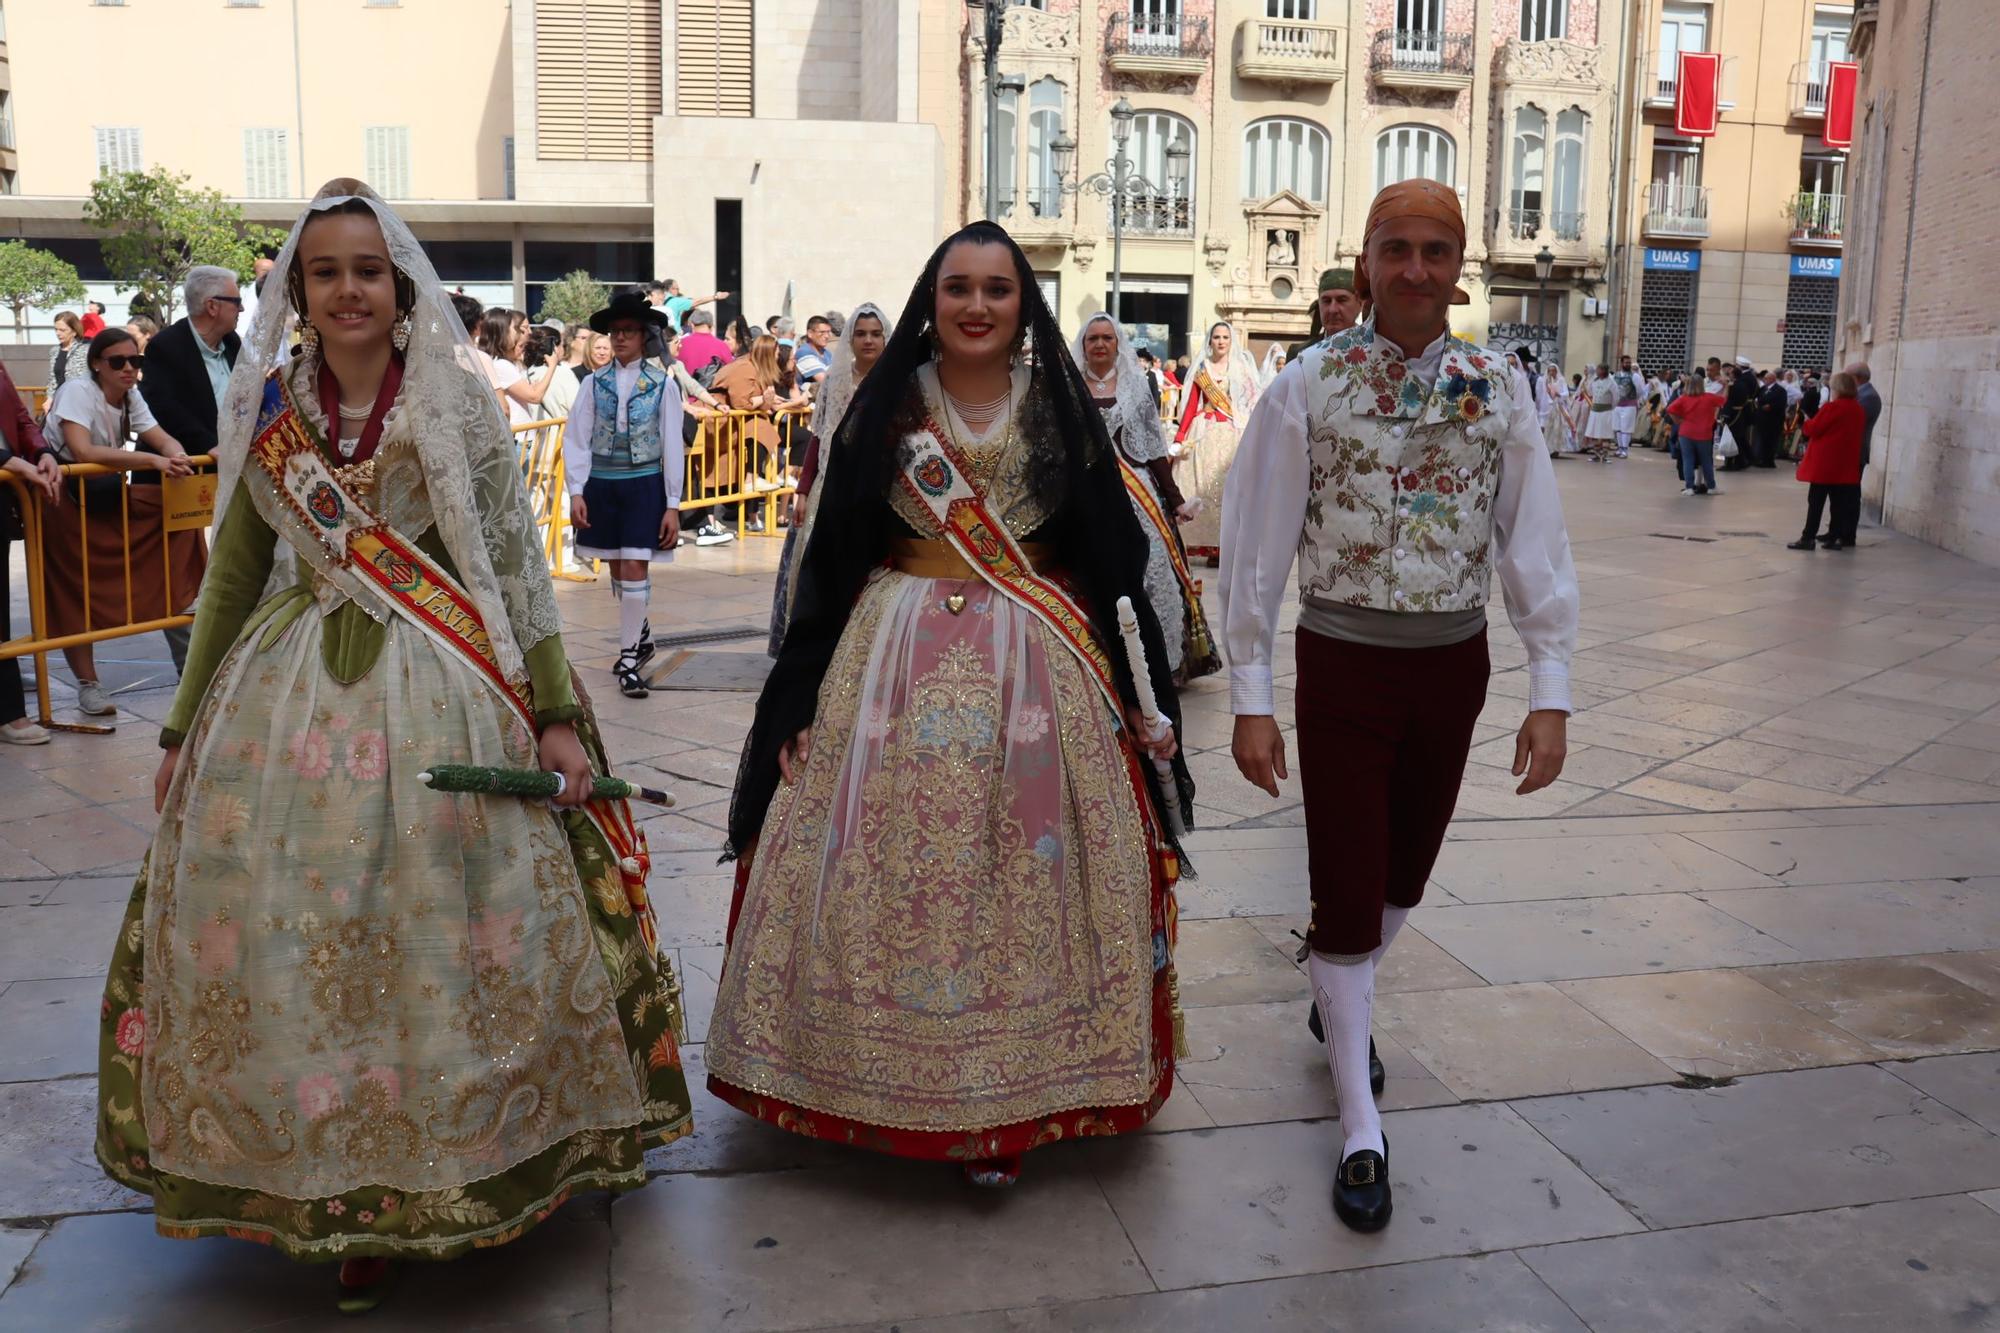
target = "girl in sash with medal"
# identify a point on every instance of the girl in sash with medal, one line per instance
(1118, 387)
(952, 933)
(1215, 402)
(349, 1016)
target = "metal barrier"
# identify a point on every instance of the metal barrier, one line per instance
(38, 642)
(540, 446)
(745, 459)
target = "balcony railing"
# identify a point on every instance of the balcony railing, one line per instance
(1809, 90)
(1422, 57)
(1661, 73)
(1291, 51)
(1159, 215)
(1527, 224)
(1673, 209)
(1160, 43)
(1818, 219)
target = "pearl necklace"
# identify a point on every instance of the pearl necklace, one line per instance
(980, 415)
(1102, 386)
(361, 413)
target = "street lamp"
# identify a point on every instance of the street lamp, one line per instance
(1545, 264)
(1120, 181)
(995, 13)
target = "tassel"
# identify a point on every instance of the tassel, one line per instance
(670, 986)
(1181, 1049)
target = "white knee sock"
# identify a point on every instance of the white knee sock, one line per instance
(1392, 921)
(633, 598)
(1345, 993)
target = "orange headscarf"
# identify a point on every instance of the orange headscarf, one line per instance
(1419, 198)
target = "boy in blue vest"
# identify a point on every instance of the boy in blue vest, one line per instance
(624, 461)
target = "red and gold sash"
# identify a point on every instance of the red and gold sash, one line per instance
(291, 454)
(1149, 505)
(936, 477)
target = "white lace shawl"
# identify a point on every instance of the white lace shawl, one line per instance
(447, 457)
(836, 391)
(1135, 413)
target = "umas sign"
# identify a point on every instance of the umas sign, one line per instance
(1673, 261)
(1815, 266)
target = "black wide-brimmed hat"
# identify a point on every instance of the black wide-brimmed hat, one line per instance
(627, 305)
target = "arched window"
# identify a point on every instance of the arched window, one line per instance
(1045, 125)
(1283, 154)
(1405, 152)
(1530, 167)
(1566, 184)
(1164, 211)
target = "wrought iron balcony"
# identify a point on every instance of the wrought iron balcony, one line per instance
(1673, 209)
(1660, 77)
(1422, 58)
(1290, 51)
(1169, 44)
(1529, 224)
(1818, 219)
(1163, 215)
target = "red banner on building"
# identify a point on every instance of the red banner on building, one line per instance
(1698, 94)
(1842, 78)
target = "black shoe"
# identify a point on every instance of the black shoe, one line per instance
(1838, 545)
(630, 683)
(1361, 1189)
(1378, 1077)
(644, 652)
(1802, 544)
(1826, 539)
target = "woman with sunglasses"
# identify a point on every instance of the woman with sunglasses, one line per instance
(90, 421)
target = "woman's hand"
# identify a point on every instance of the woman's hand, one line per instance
(793, 754)
(798, 509)
(48, 476)
(561, 752)
(1166, 747)
(172, 465)
(163, 778)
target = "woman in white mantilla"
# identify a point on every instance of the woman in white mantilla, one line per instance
(347, 1015)
(1118, 386)
(1215, 404)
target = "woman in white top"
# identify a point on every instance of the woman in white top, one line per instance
(503, 336)
(89, 421)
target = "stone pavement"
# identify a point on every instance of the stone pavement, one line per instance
(1702, 1037)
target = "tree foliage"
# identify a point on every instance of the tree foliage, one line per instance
(156, 226)
(573, 299)
(31, 277)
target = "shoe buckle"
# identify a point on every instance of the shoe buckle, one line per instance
(1352, 1174)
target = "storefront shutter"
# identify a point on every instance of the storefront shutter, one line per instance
(597, 79)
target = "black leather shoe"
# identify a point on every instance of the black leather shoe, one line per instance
(1378, 1077)
(1361, 1190)
(1803, 544)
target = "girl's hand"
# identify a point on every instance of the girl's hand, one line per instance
(48, 476)
(792, 757)
(1166, 747)
(561, 752)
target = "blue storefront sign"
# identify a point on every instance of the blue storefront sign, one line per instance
(1673, 261)
(1815, 266)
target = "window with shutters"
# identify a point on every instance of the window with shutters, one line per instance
(118, 150)
(265, 164)
(713, 62)
(597, 79)
(386, 153)
(1285, 154)
(1406, 152)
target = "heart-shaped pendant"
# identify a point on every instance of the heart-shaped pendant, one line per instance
(955, 603)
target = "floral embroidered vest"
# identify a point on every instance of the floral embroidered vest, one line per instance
(1403, 474)
(635, 451)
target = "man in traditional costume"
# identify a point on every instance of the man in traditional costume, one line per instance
(1131, 418)
(347, 1015)
(624, 462)
(954, 940)
(1402, 467)
(1628, 388)
(1600, 431)
(1336, 308)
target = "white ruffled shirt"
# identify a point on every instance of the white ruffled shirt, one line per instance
(1264, 518)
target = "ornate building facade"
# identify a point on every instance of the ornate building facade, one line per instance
(1292, 114)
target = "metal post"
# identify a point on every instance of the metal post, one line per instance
(1120, 175)
(1541, 303)
(996, 18)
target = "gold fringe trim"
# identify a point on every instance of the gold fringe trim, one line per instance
(1181, 1049)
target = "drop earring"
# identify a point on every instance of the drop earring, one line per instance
(399, 337)
(308, 339)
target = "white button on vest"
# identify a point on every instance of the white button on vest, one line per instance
(1401, 554)
(1465, 472)
(1399, 594)
(1404, 511)
(1396, 431)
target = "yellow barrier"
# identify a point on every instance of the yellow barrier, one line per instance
(540, 445)
(38, 642)
(735, 460)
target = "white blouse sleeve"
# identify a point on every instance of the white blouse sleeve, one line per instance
(1532, 558)
(1263, 517)
(576, 439)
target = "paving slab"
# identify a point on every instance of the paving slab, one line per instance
(1902, 1007)
(48, 1029)
(1857, 854)
(114, 1272)
(1252, 1063)
(1500, 1042)
(16, 1244)
(1914, 1264)
(1870, 920)
(58, 940)
(1241, 1204)
(47, 1166)
(1490, 1294)
(1597, 937)
(1716, 1024)
(803, 1249)
(1586, 867)
(1773, 1143)
(1251, 882)
(1230, 961)
(727, 1140)
(1968, 1084)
